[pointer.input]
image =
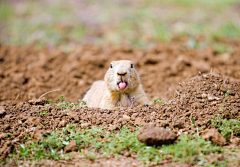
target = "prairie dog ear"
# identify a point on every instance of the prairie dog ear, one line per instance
(111, 66)
(131, 65)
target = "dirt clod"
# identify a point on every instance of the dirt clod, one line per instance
(214, 136)
(38, 135)
(126, 117)
(62, 123)
(72, 146)
(2, 111)
(39, 101)
(152, 135)
(235, 141)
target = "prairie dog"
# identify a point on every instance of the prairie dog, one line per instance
(121, 84)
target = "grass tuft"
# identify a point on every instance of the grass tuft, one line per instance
(227, 127)
(62, 104)
(160, 101)
(224, 100)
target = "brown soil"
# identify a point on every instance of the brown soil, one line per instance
(27, 73)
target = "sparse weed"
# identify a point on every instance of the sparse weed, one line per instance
(82, 102)
(62, 103)
(227, 127)
(193, 122)
(160, 101)
(38, 113)
(27, 138)
(49, 102)
(61, 99)
(44, 113)
(41, 113)
(224, 100)
(2, 162)
(66, 105)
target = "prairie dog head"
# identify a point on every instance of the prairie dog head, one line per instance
(122, 76)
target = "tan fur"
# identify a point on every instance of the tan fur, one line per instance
(107, 94)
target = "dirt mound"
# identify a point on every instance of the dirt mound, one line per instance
(155, 136)
(202, 98)
(211, 93)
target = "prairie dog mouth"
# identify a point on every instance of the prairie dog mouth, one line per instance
(122, 84)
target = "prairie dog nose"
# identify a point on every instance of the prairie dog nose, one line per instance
(121, 74)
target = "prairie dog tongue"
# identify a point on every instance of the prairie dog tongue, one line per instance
(122, 85)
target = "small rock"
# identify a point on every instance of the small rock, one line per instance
(204, 95)
(150, 134)
(214, 136)
(72, 146)
(212, 98)
(126, 117)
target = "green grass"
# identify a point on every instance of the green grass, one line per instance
(96, 143)
(141, 24)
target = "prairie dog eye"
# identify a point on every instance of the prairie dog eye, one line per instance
(111, 66)
(131, 65)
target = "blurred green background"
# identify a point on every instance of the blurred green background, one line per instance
(142, 23)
